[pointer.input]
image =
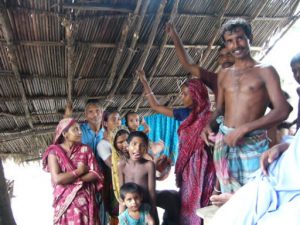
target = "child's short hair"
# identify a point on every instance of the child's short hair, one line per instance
(139, 134)
(127, 115)
(295, 59)
(130, 188)
(233, 24)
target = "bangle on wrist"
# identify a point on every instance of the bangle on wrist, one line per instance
(216, 190)
(150, 93)
(75, 174)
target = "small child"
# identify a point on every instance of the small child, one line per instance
(137, 213)
(139, 170)
(133, 121)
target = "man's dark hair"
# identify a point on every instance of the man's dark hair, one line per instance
(128, 114)
(139, 134)
(130, 188)
(93, 102)
(233, 24)
(295, 59)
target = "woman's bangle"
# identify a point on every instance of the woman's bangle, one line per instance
(151, 93)
(216, 190)
(75, 174)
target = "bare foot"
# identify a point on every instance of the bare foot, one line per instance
(221, 199)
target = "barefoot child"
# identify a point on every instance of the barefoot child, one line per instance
(136, 212)
(137, 169)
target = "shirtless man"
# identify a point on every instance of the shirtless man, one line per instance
(209, 78)
(139, 170)
(244, 92)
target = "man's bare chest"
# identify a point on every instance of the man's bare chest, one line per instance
(248, 83)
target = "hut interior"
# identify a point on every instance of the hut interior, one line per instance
(55, 51)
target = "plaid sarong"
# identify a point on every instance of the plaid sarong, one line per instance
(234, 165)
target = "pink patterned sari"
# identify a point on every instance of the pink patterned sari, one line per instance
(75, 203)
(195, 173)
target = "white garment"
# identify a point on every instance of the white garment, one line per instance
(267, 200)
(104, 149)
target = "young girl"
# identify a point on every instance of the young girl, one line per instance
(133, 121)
(136, 212)
(111, 120)
(119, 151)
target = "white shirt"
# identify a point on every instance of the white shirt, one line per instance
(104, 149)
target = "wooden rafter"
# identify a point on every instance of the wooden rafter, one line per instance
(146, 52)
(11, 51)
(63, 97)
(70, 29)
(97, 7)
(108, 45)
(9, 74)
(121, 46)
(259, 9)
(180, 14)
(24, 133)
(160, 55)
(286, 29)
(130, 55)
(216, 30)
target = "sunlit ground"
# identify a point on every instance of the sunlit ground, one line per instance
(33, 193)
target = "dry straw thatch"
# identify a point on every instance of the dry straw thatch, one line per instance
(57, 50)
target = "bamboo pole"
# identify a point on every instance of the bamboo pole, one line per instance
(146, 52)
(131, 53)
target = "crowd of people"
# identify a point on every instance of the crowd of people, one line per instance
(105, 173)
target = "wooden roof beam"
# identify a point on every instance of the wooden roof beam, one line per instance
(121, 46)
(9, 74)
(70, 28)
(259, 9)
(131, 53)
(126, 10)
(11, 51)
(160, 54)
(24, 133)
(108, 45)
(146, 52)
(286, 29)
(63, 97)
(98, 7)
(216, 29)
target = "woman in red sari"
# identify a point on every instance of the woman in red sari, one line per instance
(194, 169)
(75, 176)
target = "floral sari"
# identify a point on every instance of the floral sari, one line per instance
(74, 203)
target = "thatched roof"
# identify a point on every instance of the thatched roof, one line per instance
(52, 51)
